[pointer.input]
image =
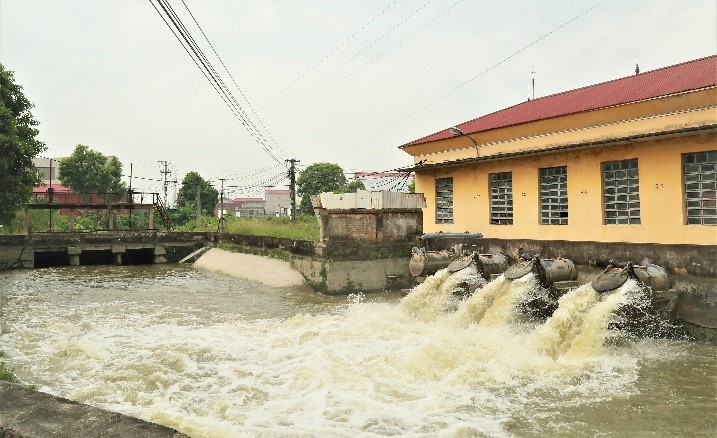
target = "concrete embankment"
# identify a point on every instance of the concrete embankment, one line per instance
(25, 413)
(272, 272)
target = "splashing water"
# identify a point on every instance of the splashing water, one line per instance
(187, 355)
(432, 298)
(504, 307)
(580, 324)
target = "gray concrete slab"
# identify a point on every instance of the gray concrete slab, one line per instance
(25, 413)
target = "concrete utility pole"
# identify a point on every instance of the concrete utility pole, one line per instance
(292, 187)
(199, 202)
(165, 172)
(221, 208)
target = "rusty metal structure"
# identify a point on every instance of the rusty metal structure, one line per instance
(113, 202)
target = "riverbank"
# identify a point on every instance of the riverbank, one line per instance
(26, 413)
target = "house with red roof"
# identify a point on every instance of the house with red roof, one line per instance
(628, 160)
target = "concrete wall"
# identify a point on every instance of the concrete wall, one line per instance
(19, 251)
(343, 277)
(370, 225)
(661, 195)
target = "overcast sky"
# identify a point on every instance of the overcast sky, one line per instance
(345, 82)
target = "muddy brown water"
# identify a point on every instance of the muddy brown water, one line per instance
(216, 356)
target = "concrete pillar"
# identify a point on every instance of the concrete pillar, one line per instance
(150, 219)
(110, 219)
(117, 251)
(74, 254)
(160, 254)
(27, 258)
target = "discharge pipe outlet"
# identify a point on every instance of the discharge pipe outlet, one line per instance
(616, 274)
(424, 263)
(548, 271)
(486, 264)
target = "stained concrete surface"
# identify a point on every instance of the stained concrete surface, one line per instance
(25, 413)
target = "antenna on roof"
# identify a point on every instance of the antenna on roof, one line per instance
(637, 66)
(532, 84)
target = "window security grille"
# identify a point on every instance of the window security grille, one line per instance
(700, 174)
(501, 198)
(621, 192)
(554, 196)
(444, 200)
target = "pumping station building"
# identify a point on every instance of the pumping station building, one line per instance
(630, 161)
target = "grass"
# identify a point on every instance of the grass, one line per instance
(306, 227)
(6, 374)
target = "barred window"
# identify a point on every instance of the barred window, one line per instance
(554, 196)
(700, 176)
(444, 200)
(621, 192)
(501, 198)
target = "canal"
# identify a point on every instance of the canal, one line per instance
(216, 356)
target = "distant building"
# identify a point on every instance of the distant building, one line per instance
(49, 169)
(629, 160)
(278, 203)
(242, 207)
(378, 181)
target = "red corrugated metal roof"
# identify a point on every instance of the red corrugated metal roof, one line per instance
(691, 75)
(42, 188)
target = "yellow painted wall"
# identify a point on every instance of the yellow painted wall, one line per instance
(662, 212)
(661, 195)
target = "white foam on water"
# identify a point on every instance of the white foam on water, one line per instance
(370, 369)
(504, 307)
(437, 294)
(579, 326)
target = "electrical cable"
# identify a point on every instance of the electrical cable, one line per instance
(364, 65)
(196, 54)
(232, 78)
(492, 67)
(337, 69)
(295, 81)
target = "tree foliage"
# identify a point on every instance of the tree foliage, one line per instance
(318, 178)
(187, 195)
(352, 186)
(87, 170)
(18, 146)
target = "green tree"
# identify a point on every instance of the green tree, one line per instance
(352, 186)
(18, 146)
(412, 186)
(187, 195)
(87, 170)
(318, 178)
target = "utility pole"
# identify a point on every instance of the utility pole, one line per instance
(165, 172)
(199, 202)
(221, 203)
(292, 187)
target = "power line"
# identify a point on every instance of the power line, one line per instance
(230, 75)
(197, 55)
(364, 65)
(492, 67)
(335, 50)
(334, 71)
